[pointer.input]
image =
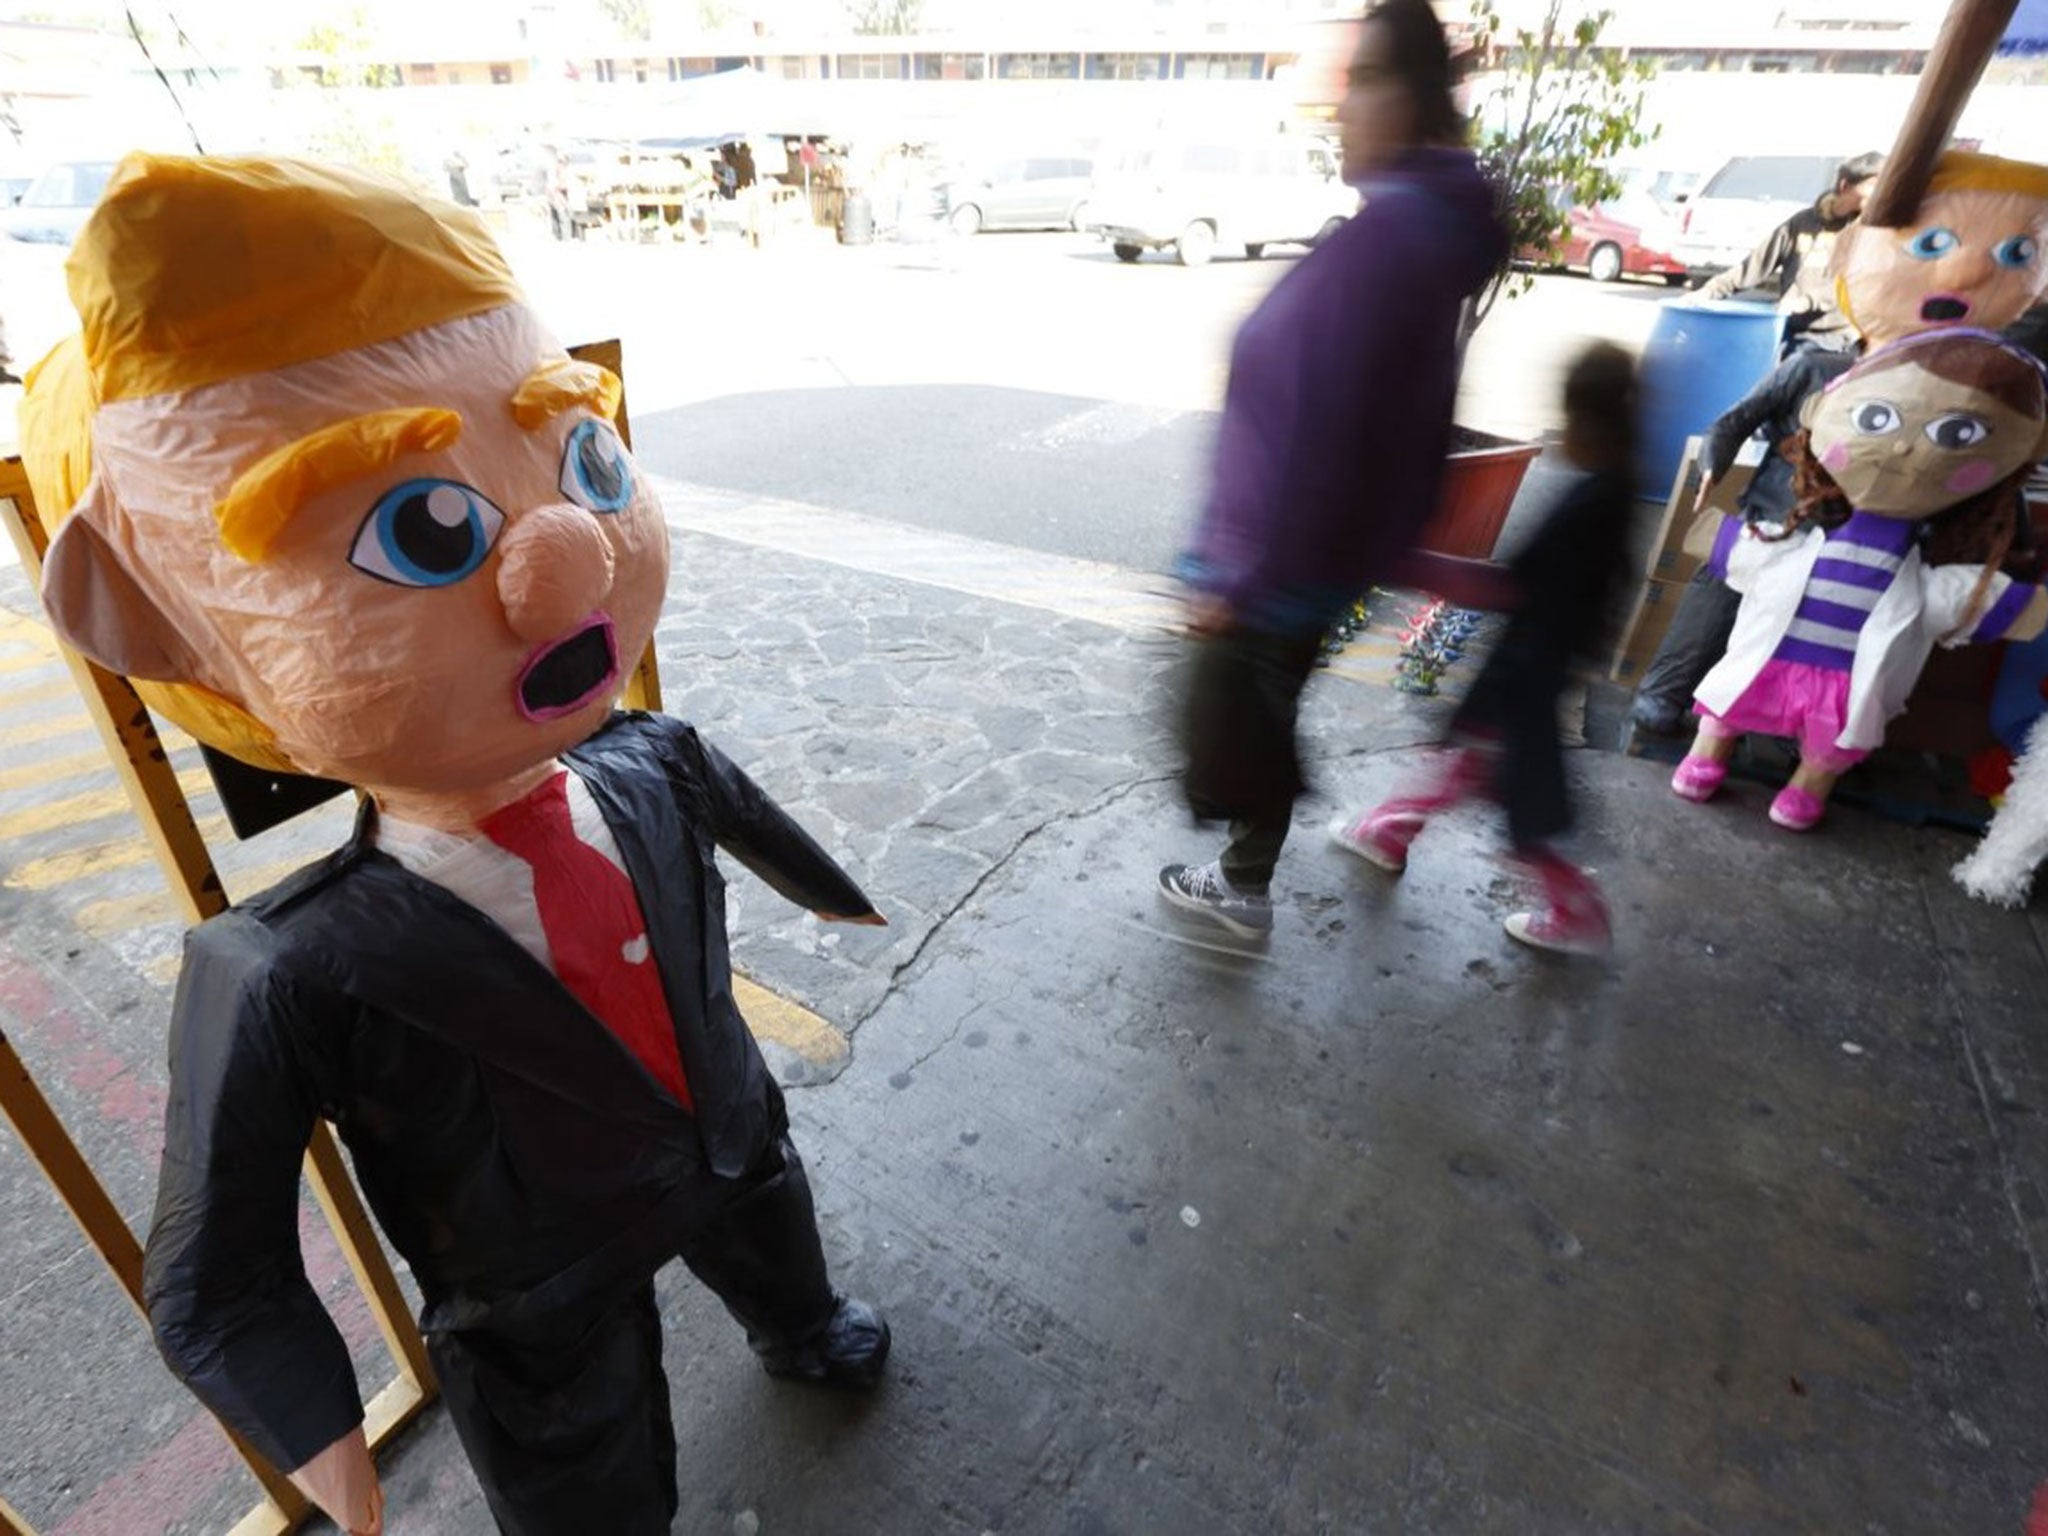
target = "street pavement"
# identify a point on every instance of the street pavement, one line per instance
(1389, 1226)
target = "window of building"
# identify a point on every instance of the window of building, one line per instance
(949, 66)
(607, 71)
(1039, 66)
(1218, 66)
(1125, 66)
(869, 66)
(454, 76)
(501, 74)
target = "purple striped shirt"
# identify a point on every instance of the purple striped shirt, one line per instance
(1856, 567)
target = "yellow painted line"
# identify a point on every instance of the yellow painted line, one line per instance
(56, 688)
(28, 632)
(90, 806)
(43, 730)
(26, 662)
(63, 868)
(790, 1024)
(51, 769)
(124, 914)
(164, 972)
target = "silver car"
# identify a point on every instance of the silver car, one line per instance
(1030, 192)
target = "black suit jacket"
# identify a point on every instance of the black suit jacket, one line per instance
(514, 1151)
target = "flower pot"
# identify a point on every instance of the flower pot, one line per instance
(1481, 477)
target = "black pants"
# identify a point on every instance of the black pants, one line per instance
(1243, 694)
(1697, 638)
(566, 1420)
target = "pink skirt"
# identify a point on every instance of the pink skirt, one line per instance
(1793, 698)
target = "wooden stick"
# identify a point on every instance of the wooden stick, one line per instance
(1968, 39)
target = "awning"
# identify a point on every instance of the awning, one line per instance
(2028, 32)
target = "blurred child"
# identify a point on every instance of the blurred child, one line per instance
(1503, 743)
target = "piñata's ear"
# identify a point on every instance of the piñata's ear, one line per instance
(96, 605)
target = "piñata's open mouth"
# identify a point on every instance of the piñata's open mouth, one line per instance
(1944, 309)
(564, 675)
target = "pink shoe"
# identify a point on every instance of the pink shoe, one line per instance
(1382, 841)
(1562, 931)
(1797, 810)
(1698, 778)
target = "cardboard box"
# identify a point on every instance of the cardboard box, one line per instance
(1669, 560)
(1671, 565)
(1644, 631)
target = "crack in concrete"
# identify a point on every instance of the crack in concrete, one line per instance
(1111, 796)
(952, 1035)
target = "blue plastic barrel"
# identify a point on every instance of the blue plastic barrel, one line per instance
(1703, 355)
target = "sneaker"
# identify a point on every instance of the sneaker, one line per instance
(1562, 932)
(849, 1351)
(1377, 839)
(1659, 719)
(1698, 778)
(1797, 810)
(1201, 889)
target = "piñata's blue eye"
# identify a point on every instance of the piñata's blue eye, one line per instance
(426, 533)
(2019, 251)
(596, 473)
(1932, 243)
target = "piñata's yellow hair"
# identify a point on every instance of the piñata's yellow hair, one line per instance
(192, 271)
(1963, 170)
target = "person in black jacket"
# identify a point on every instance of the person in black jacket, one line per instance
(1504, 743)
(1699, 630)
(1791, 263)
(356, 514)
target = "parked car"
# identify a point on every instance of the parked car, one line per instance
(1744, 201)
(1034, 192)
(53, 209)
(1268, 189)
(1627, 238)
(1667, 187)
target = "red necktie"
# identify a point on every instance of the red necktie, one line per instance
(594, 929)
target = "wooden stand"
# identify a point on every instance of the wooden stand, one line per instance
(139, 758)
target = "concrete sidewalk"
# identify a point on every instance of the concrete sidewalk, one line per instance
(1393, 1227)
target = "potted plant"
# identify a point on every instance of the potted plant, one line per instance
(1549, 114)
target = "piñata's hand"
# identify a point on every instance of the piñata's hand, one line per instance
(342, 1480)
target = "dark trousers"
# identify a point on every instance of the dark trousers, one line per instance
(566, 1420)
(1243, 695)
(1697, 638)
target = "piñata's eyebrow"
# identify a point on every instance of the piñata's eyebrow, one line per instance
(265, 495)
(559, 383)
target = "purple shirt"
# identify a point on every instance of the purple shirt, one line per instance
(1338, 415)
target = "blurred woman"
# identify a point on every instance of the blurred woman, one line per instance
(1335, 428)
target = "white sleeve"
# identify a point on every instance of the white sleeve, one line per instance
(1945, 597)
(1749, 555)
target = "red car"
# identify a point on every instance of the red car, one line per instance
(1608, 249)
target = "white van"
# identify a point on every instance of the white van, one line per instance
(1195, 195)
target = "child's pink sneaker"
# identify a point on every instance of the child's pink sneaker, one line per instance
(1797, 810)
(1565, 931)
(1698, 778)
(1381, 840)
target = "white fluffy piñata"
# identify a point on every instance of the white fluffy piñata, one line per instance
(2015, 845)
